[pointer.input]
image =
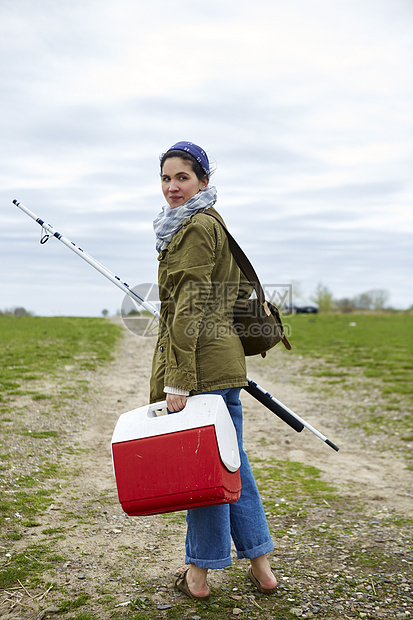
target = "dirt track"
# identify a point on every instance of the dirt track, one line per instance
(112, 553)
(379, 478)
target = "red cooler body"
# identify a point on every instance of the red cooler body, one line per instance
(174, 462)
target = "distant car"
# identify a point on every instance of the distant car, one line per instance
(302, 306)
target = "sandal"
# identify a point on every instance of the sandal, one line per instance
(181, 584)
(257, 584)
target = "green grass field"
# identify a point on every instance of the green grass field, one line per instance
(371, 353)
(42, 370)
(380, 344)
(45, 370)
(34, 349)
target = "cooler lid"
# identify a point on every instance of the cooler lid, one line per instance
(201, 410)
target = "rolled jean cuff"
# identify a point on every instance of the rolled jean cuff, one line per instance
(255, 552)
(222, 563)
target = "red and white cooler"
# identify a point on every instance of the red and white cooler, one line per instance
(188, 459)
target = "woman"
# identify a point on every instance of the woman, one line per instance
(198, 351)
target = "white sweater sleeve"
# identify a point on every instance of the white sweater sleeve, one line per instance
(173, 390)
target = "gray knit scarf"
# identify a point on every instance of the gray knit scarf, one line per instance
(169, 220)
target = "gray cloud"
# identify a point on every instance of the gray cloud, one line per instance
(309, 123)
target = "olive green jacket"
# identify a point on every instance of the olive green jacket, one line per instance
(198, 349)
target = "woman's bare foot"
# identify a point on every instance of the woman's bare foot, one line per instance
(262, 572)
(196, 580)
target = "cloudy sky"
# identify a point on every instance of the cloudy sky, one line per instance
(305, 107)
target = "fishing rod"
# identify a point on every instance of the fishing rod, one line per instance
(255, 390)
(283, 412)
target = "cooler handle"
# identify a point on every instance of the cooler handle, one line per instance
(151, 409)
(150, 412)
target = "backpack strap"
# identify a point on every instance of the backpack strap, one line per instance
(242, 261)
(247, 269)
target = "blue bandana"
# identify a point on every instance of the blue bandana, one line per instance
(195, 151)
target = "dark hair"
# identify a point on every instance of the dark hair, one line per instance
(196, 166)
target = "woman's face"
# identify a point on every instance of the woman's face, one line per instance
(179, 182)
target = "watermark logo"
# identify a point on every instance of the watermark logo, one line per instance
(136, 318)
(206, 306)
(280, 295)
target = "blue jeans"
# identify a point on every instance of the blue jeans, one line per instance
(209, 529)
